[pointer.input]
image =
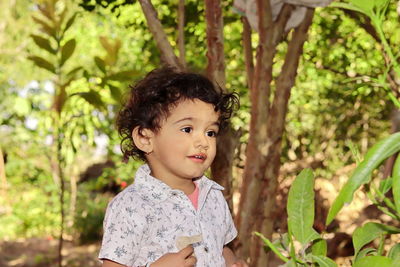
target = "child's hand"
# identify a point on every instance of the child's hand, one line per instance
(183, 258)
(240, 263)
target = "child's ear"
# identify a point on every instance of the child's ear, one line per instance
(143, 139)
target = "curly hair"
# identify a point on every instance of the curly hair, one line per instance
(151, 99)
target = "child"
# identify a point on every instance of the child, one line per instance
(171, 121)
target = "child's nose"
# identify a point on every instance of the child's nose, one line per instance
(201, 141)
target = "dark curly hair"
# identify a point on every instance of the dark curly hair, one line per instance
(151, 99)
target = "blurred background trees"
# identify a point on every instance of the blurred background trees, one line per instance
(66, 65)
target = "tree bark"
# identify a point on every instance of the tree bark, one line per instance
(221, 168)
(275, 130)
(181, 33)
(248, 51)
(257, 147)
(167, 53)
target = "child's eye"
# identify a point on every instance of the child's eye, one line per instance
(211, 133)
(186, 130)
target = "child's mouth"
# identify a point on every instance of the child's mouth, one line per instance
(198, 157)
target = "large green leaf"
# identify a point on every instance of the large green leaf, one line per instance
(368, 232)
(394, 253)
(362, 175)
(67, 50)
(43, 43)
(323, 261)
(43, 63)
(396, 183)
(366, 6)
(374, 261)
(300, 207)
(347, 6)
(320, 247)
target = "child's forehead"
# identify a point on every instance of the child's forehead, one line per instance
(193, 107)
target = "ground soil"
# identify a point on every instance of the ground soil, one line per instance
(41, 252)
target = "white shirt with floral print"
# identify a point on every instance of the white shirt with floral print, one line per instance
(143, 222)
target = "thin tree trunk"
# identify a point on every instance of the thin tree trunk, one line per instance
(248, 51)
(181, 33)
(167, 53)
(222, 166)
(275, 129)
(257, 147)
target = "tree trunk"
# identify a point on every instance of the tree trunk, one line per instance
(257, 147)
(222, 166)
(275, 130)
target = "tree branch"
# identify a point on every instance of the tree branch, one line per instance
(167, 53)
(181, 33)
(215, 42)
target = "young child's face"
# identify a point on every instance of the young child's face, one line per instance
(185, 146)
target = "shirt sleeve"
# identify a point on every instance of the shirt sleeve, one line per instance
(231, 231)
(122, 234)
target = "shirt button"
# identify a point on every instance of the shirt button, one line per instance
(206, 249)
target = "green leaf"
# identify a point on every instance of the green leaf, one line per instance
(348, 6)
(106, 44)
(394, 253)
(320, 247)
(396, 183)
(300, 207)
(323, 261)
(43, 43)
(115, 93)
(46, 28)
(100, 64)
(93, 98)
(365, 252)
(43, 63)
(128, 75)
(67, 50)
(70, 22)
(370, 231)
(73, 72)
(366, 6)
(385, 185)
(362, 175)
(374, 261)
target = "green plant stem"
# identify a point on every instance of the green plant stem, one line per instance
(272, 247)
(381, 244)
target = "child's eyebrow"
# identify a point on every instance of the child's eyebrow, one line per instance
(214, 123)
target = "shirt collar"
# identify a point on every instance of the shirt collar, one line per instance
(153, 189)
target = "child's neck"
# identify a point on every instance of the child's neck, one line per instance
(187, 186)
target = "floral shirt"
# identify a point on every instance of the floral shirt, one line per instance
(144, 221)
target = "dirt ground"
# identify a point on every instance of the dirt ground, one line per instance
(37, 252)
